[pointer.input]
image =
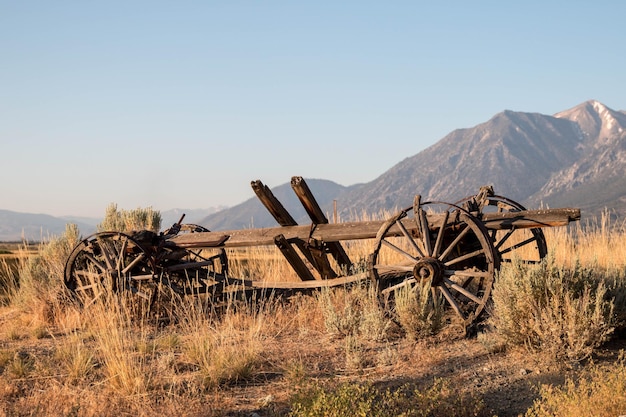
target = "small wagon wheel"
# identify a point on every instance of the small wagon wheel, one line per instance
(454, 256)
(109, 263)
(529, 245)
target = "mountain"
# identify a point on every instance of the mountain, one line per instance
(597, 180)
(575, 158)
(195, 216)
(16, 227)
(516, 152)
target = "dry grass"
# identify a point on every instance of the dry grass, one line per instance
(599, 392)
(308, 355)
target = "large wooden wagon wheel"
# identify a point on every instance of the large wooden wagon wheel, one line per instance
(527, 245)
(449, 250)
(111, 263)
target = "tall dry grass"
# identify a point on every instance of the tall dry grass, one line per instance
(598, 392)
(596, 242)
(105, 355)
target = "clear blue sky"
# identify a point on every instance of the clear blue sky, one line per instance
(181, 104)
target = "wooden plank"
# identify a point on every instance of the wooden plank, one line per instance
(248, 284)
(272, 204)
(302, 190)
(368, 229)
(317, 216)
(293, 258)
(531, 218)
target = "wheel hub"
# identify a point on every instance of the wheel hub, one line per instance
(429, 268)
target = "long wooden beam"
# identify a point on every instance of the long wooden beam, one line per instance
(368, 229)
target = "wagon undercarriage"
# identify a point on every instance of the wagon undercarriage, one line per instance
(454, 249)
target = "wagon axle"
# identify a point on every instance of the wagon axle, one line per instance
(429, 269)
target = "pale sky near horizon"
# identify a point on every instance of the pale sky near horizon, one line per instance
(182, 104)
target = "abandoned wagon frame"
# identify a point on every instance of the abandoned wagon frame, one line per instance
(456, 249)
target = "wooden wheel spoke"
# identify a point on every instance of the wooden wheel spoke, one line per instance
(120, 255)
(399, 250)
(455, 242)
(89, 275)
(142, 294)
(91, 257)
(499, 204)
(425, 232)
(94, 298)
(508, 234)
(404, 283)
(394, 268)
(106, 254)
(467, 274)
(440, 234)
(134, 262)
(519, 245)
(465, 257)
(433, 294)
(144, 277)
(451, 301)
(409, 238)
(462, 290)
(86, 287)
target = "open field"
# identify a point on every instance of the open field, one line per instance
(329, 353)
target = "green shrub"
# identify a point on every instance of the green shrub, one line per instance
(419, 314)
(353, 311)
(565, 313)
(351, 399)
(120, 220)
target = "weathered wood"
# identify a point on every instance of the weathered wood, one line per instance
(531, 218)
(298, 285)
(272, 204)
(309, 202)
(368, 229)
(316, 258)
(317, 216)
(293, 258)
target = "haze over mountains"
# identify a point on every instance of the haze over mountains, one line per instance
(17, 227)
(575, 158)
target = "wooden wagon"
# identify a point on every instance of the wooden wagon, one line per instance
(454, 248)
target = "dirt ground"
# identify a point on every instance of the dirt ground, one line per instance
(506, 381)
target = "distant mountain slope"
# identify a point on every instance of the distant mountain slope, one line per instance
(251, 212)
(15, 227)
(195, 216)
